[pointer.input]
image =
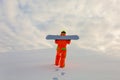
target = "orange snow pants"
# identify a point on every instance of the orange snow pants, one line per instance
(60, 58)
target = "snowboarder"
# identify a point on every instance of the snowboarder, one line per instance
(61, 51)
(61, 40)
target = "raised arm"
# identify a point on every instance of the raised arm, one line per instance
(68, 41)
(56, 41)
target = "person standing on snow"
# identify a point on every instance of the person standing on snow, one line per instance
(61, 51)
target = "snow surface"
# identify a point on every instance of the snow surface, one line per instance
(39, 65)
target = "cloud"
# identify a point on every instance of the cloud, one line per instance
(25, 23)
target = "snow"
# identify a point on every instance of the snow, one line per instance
(39, 65)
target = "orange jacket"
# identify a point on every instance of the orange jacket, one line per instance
(62, 43)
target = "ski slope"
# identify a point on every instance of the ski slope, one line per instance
(39, 65)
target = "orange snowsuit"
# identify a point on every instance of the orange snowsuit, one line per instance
(61, 52)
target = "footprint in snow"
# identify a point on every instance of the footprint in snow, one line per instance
(62, 73)
(56, 69)
(55, 78)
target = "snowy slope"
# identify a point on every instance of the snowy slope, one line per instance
(38, 65)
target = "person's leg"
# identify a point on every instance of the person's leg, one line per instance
(63, 57)
(57, 59)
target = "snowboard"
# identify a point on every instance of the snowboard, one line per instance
(67, 37)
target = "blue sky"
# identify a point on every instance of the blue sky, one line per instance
(25, 23)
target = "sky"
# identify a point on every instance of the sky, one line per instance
(24, 24)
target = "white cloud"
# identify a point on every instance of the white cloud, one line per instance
(25, 23)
